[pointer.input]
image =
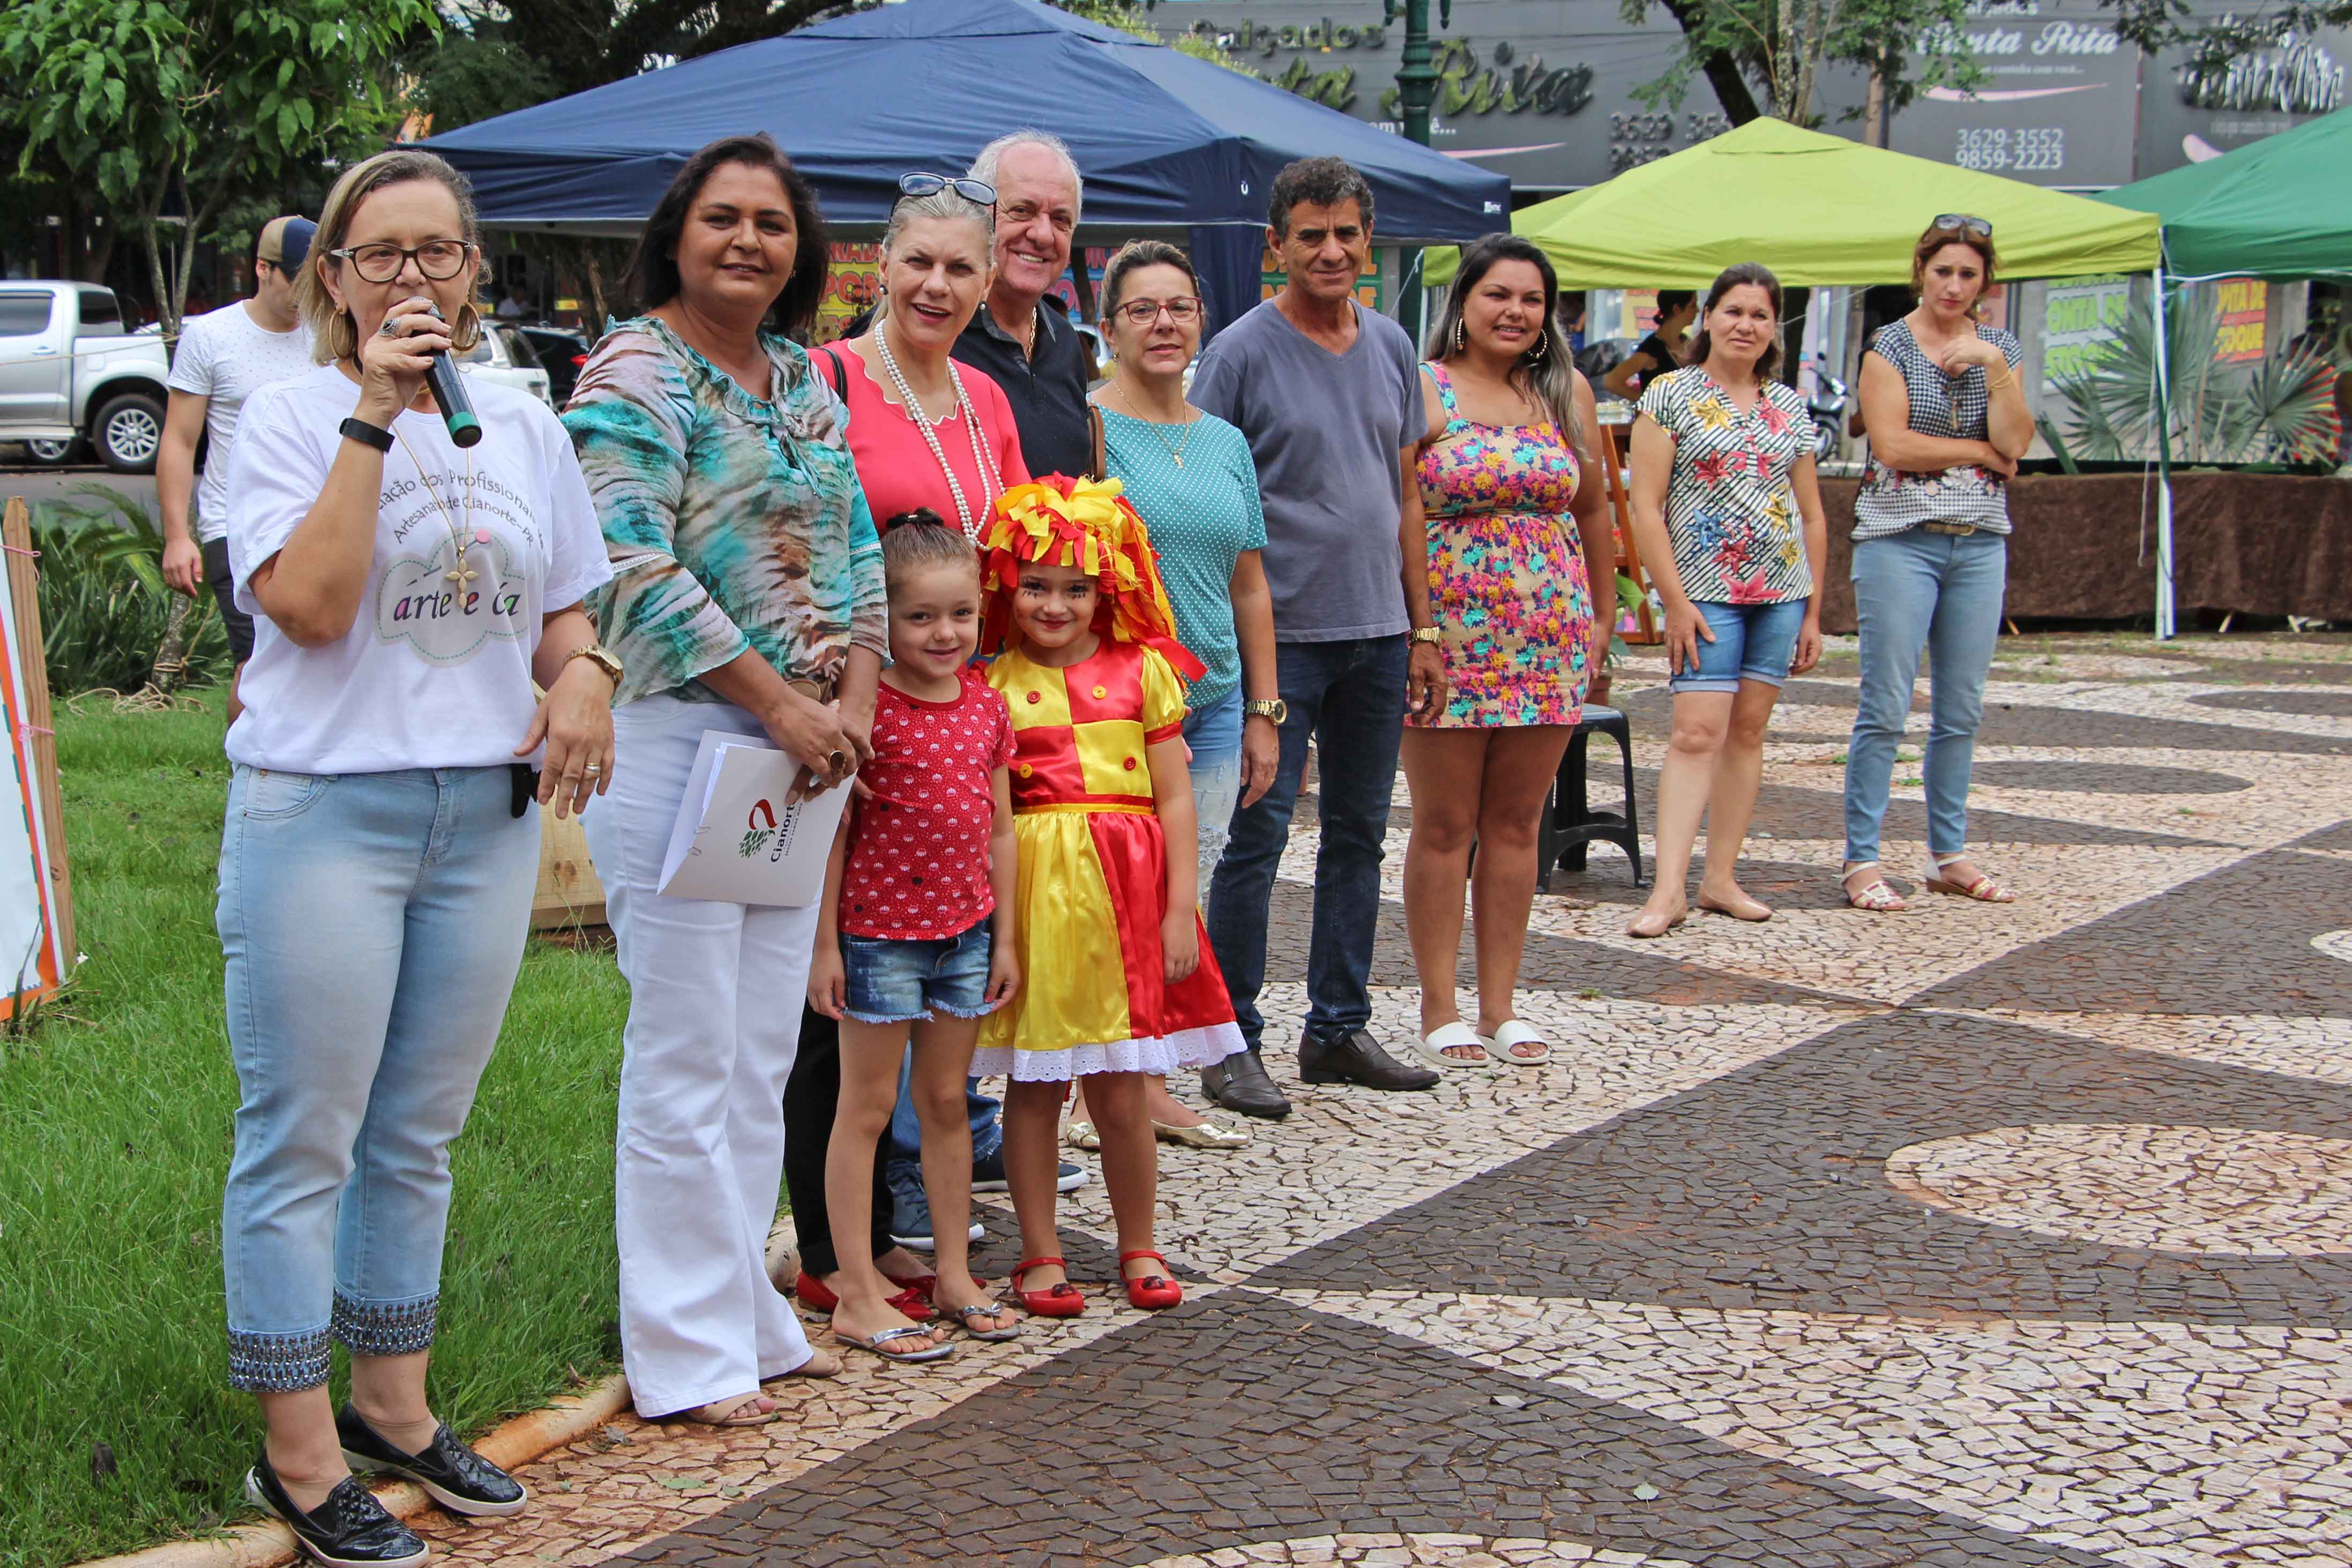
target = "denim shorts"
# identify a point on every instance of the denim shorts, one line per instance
(897, 982)
(1752, 642)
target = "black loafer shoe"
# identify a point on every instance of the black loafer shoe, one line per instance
(1358, 1059)
(350, 1529)
(454, 1476)
(1239, 1084)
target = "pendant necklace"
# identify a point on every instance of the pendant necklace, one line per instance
(983, 460)
(462, 572)
(1175, 453)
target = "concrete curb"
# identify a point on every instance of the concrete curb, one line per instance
(518, 1443)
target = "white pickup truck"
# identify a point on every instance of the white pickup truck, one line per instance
(68, 370)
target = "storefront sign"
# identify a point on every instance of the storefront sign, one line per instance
(2242, 310)
(851, 283)
(2080, 320)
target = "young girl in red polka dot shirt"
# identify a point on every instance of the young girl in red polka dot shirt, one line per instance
(917, 933)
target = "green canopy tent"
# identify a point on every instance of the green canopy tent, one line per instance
(1821, 211)
(2278, 208)
(1818, 210)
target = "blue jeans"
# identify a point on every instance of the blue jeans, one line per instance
(1214, 730)
(372, 925)
(1752, 642)
(1942, 592)
(1349, 697)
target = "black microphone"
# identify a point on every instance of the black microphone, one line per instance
(449, 395)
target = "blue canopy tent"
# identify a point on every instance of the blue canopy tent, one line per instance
(1166, 141)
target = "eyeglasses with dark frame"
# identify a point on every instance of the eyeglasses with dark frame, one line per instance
(979, 192)
(1184, 310)
(1982, 227)
(438, 259)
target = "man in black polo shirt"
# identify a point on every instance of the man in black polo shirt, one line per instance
(1035, 353)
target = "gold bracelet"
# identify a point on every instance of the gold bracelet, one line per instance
(2004, 381)
(602, 658)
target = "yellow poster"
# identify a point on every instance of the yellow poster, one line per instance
(851, 284)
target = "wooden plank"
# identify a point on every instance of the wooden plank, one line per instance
(24, 593)
(569, 892)
(1629, 554)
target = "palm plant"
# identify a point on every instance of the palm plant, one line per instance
(105, 607)
(2218, 413)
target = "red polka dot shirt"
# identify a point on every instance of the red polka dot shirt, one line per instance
(918, 850)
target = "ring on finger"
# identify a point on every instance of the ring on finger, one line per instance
(595, 768)
(391, 328)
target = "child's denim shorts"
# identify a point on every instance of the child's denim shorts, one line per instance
(892, 981)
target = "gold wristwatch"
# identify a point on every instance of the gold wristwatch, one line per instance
(602, 658)
(1276, 710)
(1426, 634)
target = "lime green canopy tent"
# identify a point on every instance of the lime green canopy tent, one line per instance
(1818, 210)
(2278, 208)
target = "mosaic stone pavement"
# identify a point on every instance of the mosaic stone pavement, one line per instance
(1976, 1236)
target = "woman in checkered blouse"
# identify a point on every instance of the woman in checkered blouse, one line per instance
(1947, 420)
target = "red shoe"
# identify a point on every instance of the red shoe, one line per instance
(1061, 1300)
(920, 1285)
(1154, 1292)
(812, 1293)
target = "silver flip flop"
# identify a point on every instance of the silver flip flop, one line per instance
(874, 1346)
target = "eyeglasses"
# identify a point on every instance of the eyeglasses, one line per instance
(1982, 227)
(439, 259)
(1184, 310)
(976, 191)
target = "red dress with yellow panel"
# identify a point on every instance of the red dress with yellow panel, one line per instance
(1094, 880)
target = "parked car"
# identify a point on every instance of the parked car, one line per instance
(68, 373)
(505, 355)
(562, 352)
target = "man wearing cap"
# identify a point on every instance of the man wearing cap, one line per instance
(224, 357)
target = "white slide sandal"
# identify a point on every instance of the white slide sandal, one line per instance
(1512, 1032)
(1431, 1047)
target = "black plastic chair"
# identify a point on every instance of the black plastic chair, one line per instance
(1570, 823)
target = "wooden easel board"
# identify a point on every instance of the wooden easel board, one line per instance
(1629, 554)
(37, 938)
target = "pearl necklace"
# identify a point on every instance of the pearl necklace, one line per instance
(983, 460)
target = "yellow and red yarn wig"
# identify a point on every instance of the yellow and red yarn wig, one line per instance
(1092, 526)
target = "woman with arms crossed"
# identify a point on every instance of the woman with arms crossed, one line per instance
(747, 596)
(1723, 469)
(377, 860)
(1947, 420)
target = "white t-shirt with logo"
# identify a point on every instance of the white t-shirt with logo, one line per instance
(436, 670)
(226, 356)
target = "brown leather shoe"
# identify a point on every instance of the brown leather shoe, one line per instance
(1358, 1059)
(1239, 1083)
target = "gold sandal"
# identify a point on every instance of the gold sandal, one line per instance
(1984, 889)
(1874, 896)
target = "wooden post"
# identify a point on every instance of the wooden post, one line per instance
(1629, 554)
(24, 596)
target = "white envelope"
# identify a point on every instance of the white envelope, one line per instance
(736, 840)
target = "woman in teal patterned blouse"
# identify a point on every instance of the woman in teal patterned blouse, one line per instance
(747, 597)
(1192, 476)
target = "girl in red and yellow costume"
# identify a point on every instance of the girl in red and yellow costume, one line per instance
(1120, 982)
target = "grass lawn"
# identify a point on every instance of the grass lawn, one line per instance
(116, 1140)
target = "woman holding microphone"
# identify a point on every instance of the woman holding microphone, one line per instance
(379, 851)
(747, 596)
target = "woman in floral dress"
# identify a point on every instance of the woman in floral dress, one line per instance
(1722, 472)
(1522, 583)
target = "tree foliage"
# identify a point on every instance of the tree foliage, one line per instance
(1782, 46)
(2214, 41)
(192, 104)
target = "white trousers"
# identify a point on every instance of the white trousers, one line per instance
(714, 1020)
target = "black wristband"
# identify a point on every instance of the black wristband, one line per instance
(367, 434)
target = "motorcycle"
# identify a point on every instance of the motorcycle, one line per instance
(1827, 406)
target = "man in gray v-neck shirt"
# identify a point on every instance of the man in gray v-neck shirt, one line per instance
(1328, 394)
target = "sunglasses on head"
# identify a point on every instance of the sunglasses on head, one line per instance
(976, 191)
(1980, 227)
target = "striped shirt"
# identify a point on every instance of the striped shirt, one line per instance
(735, 523)
(1951, 407)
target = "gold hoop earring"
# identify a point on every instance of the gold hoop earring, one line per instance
(344, 337)
(1543, 347)
(1461, 343)
(468, 329)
